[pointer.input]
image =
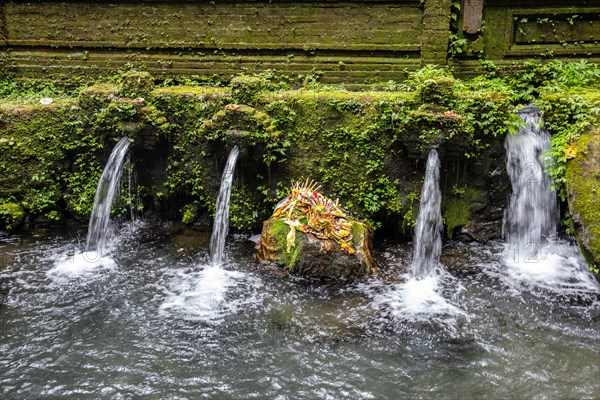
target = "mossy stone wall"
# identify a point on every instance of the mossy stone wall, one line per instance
(350, 41)
(511, 31)
(365, 148)
(583, 186)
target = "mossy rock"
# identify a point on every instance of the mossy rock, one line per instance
(98, 96)
(192, 92)
(313, 257)
(583, 187)
(239, 124)
(329, 97)
(245, 89)
(437, 91)
(433, 127)
(136, 84)
(434, 84)
(457, 207)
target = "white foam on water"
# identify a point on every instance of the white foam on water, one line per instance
(88, 264)
(204, 295)
(80, 265)
(556, 266)
(419, 299)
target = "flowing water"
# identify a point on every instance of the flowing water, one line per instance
(162, 318)
(202, 292)
(425, 290)
(108, 186)
(147, 327)
(428, 231)
(532, 213)
(534, 254)
(221, 224)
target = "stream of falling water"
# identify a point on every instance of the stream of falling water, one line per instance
(428, 231)
(534, 255)
(422, 294)
(108, 186)
(203, 294)
(221, 224)
(80, 264)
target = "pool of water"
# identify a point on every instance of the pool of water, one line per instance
(152, 319)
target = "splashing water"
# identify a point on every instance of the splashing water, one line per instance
(80, 265)
(420, 297)
(428, 232)
(202, 294)
(143, 330)
(87, 263)
(533, 254)
(421, 300)
(557, 266)
(72, 263)
(108, 185)
(221, 224)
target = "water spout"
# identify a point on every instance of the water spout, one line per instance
(106, 190)
(221, 224)
(428, 232)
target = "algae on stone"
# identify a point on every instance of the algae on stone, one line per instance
(312, 257)
(583, 188)
(456, 208)
(362, 145)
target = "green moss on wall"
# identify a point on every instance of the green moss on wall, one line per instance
(456, 208)
(52, 155)
(366, 148)
(432, 127)
(189, 180)
(342, 140)
(37, 144)
(583, 186)
(567, 114)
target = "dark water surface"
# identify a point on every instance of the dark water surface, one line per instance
(154, 320)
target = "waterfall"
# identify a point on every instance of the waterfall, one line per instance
(221, 224)
(428, 232)
(422, 297)
(534, 256)
(108, 186)
(203, 294)
(532, 213)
